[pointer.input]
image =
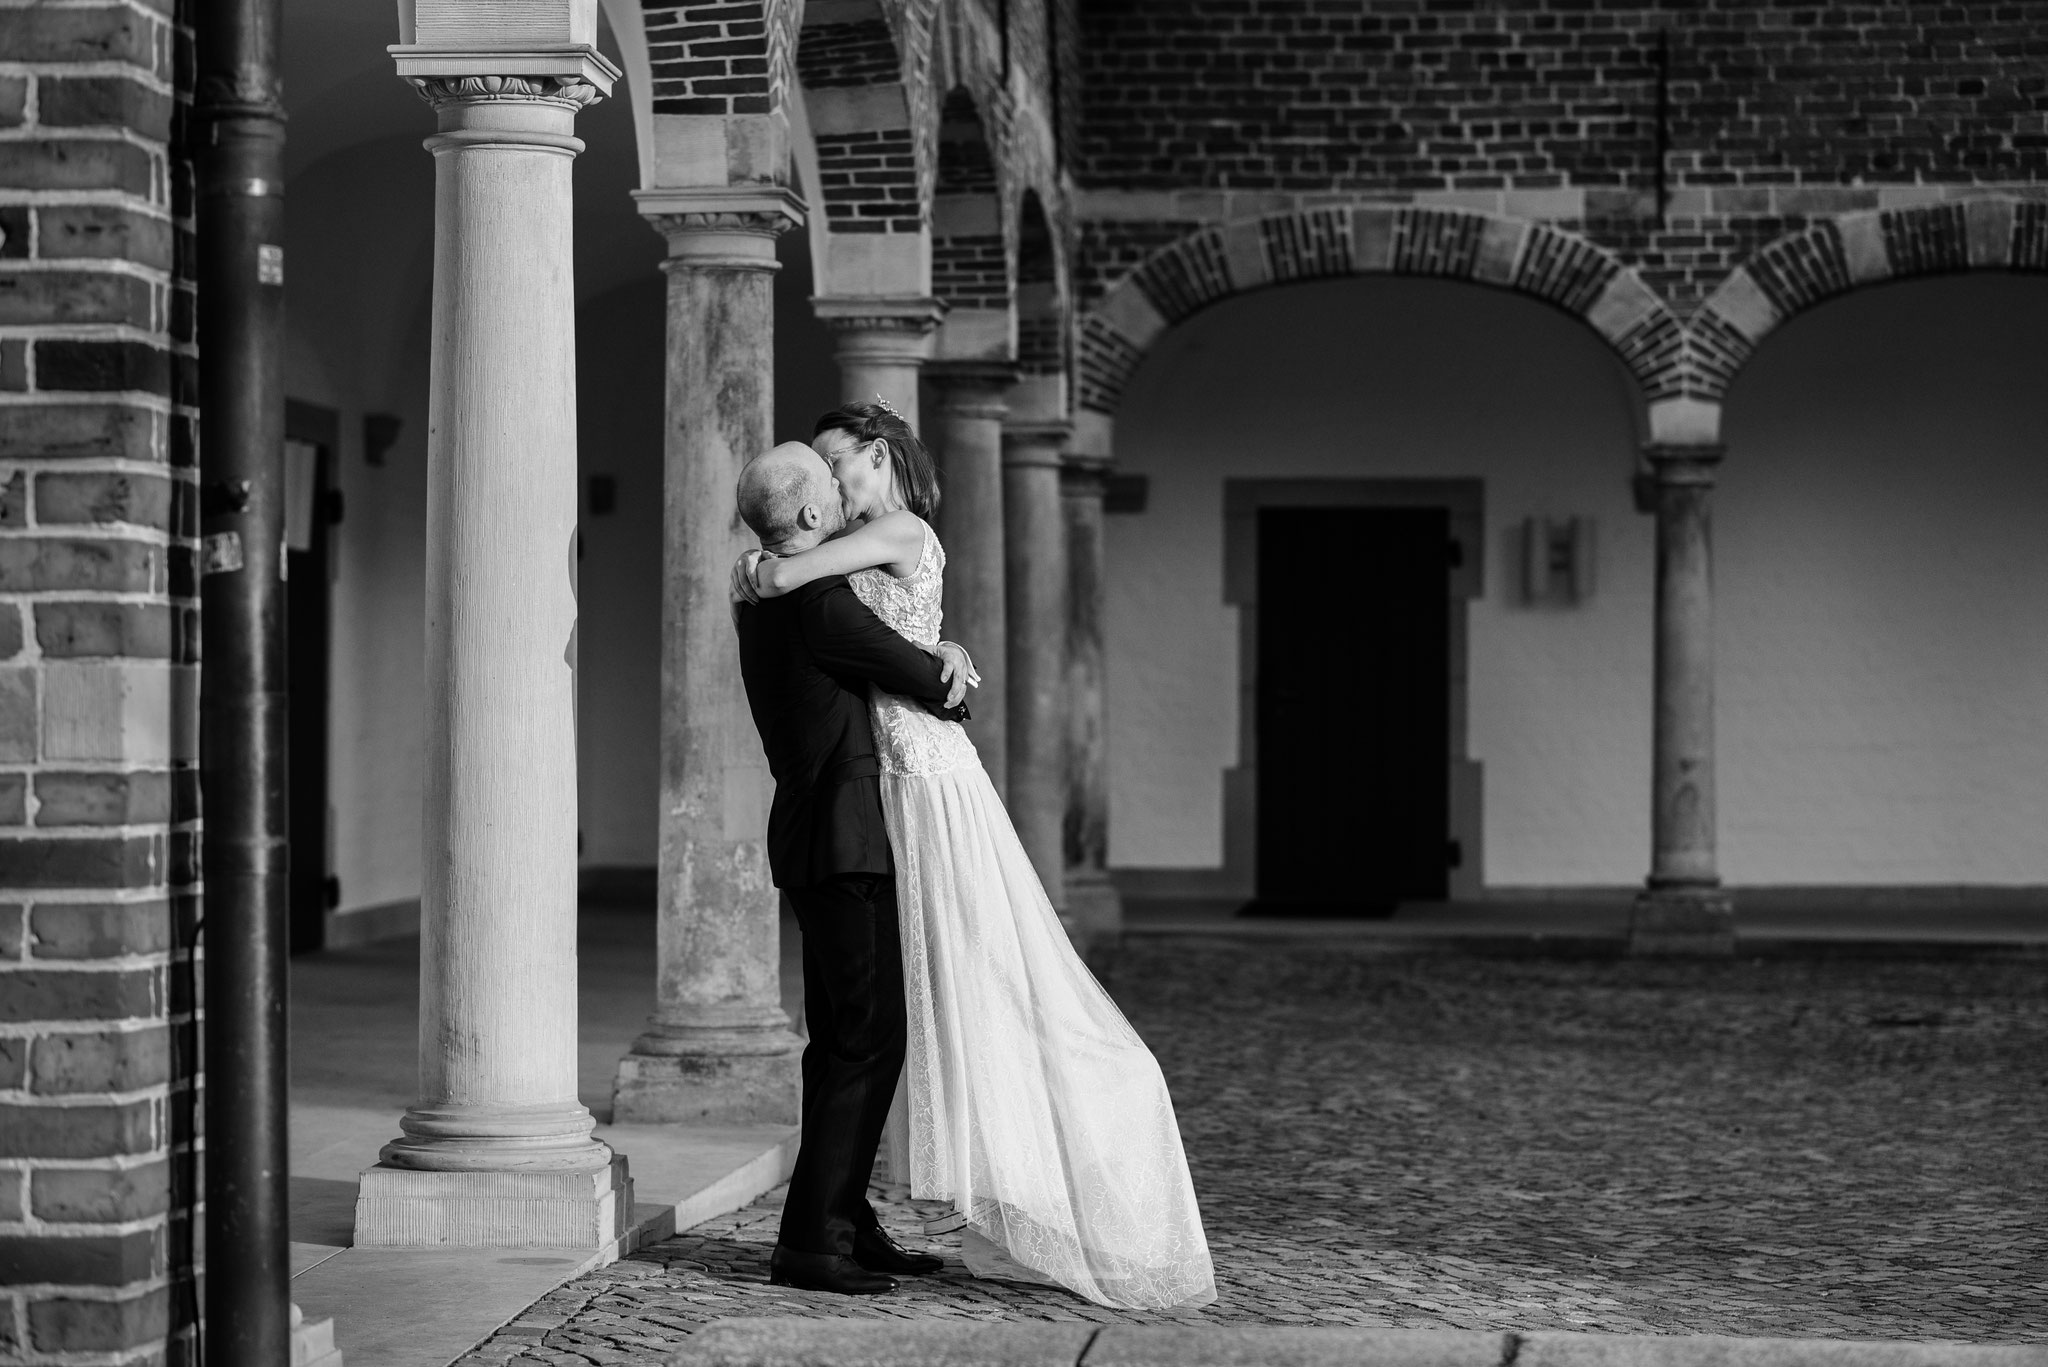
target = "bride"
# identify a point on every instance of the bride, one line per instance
(1034, 1108)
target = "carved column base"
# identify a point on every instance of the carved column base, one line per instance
(720, 1077)
(1697, 921)
(409, 1208)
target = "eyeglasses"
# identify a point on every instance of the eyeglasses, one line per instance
(835, 455)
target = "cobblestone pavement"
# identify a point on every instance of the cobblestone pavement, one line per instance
(1816, 1147)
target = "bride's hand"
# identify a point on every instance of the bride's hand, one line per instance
(959, 672)
(743, 590)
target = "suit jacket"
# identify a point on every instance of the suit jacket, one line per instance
(807, 659)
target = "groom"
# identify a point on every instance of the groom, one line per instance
(807, 659)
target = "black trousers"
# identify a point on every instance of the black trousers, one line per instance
(853, 1006)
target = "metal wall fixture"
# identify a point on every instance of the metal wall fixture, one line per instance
(1557, 560)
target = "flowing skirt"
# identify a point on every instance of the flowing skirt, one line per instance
(1033, 1106)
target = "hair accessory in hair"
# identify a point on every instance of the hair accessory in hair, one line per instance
(887, 407)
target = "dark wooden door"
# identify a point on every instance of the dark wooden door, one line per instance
(1353, 709)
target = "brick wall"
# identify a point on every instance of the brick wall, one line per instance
(710, 59)
(1455, 94)
(98, 607)
(1779, 114)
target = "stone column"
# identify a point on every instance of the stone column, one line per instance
(719, 1046)
(967, 440)
(883, 343)
(1035, 605)
(1683, 909)
(498, 1151)
(1092, 902)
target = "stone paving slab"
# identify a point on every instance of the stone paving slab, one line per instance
(1161, 1345)
(840, 1342)
(795, 1342)
(1820, 1148)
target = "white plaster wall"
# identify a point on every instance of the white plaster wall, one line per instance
(1386, 379)
(1884, 662)
(1883, 592)
(359, 231)
(359, 234)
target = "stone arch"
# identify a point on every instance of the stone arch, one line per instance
(970, 250)
(851, 71)
(710, 90)
(1214, 263)
(858, 151)
(1835, 255)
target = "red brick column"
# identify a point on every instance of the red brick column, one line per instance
(98, 648)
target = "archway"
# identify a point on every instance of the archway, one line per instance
(1546, 263)
(1880, 574)
(1360, 392)
(1805, 268)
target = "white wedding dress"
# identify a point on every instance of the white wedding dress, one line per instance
(1033, 1106)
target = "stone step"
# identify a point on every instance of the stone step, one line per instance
(807, 1342)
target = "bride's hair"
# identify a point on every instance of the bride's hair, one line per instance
(916, 473)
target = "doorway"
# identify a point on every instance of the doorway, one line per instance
(1358, 589)
(1353, 709)
(311, 507)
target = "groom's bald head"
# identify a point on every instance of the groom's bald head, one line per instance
(789, 498)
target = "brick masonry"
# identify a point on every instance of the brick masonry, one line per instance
(99, 1175)
(1804, 151)
(972, 116)
(710, 59)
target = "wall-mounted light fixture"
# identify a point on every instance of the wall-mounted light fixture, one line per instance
(1557, 560)
(380, 433)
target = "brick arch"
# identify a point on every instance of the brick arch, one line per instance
(857, 96)
(1215, 263)
(1835, 255)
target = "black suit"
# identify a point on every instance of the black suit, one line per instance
(807, 659)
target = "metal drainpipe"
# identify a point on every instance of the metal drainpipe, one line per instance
(238, 144)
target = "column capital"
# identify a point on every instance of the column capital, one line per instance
(911, 315)
(976, 388)
(1083, 475)
(718, 227)
(1036, 442)
(574, 74)
(1678, 463)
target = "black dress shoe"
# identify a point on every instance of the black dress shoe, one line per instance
(877, 1252)
(825, 1272)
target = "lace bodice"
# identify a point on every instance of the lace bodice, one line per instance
(909, 605)
(908, 739)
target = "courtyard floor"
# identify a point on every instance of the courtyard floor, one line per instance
(1834, 1146)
